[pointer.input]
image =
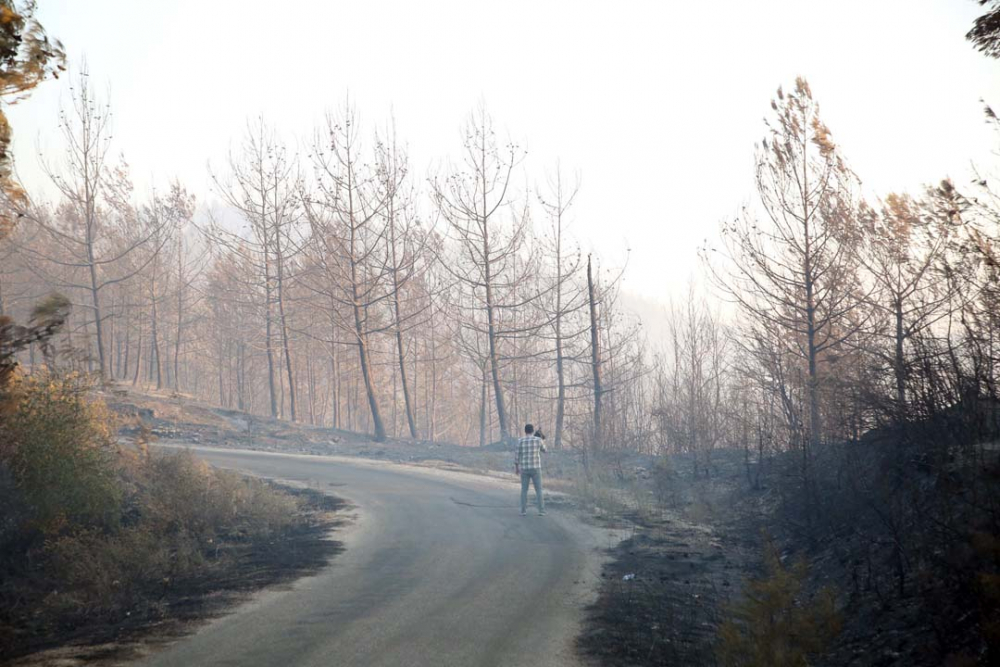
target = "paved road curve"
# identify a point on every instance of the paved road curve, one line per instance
(438, 571)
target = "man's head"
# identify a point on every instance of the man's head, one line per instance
(528, 429)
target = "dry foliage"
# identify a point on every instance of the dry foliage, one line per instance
(27, 57)
(93, 531)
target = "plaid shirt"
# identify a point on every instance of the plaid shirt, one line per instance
(528, 455)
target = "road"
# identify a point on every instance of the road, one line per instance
(439, 570)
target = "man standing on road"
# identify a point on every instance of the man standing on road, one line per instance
(528, 463)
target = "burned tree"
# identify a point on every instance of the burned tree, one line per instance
(472, 199)
(788, 263)
(263, 187)
(349, 226)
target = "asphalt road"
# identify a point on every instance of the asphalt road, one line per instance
(439, 570)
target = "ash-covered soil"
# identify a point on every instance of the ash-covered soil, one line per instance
(231, 575)
(693, 540)
(660, 598)
(180, 419)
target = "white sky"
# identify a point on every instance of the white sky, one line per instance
(656, 104)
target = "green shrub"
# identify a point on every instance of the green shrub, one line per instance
(90, 530)
(772, 626)
(60, 451)
(182, 512)
(97, 573)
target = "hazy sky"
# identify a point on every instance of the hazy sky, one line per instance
(656, 104)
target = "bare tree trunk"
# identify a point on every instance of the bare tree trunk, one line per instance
(595, 357)
(334, 372)
(284, 330)
(111, 338)
(95, 292)
(180, 316)
(241, 378)
(433, 384)
(899, 360)
(222, 385)
(560, 373)
(366, 373)
(138, 355)
(410, 421)
(288, 361)
(269, 338)
(123, 372)
(155, 349)
(406, 391)
(482, 408)
(311, 374)
(492, 336)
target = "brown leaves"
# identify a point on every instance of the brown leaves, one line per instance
(802, 88)
(796, 121)
(27, 57)
(46, 320)
(822, 138)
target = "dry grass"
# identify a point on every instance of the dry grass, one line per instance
(97, 537)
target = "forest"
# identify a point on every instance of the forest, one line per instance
(339, 289)
(839, 350)
(336, 288)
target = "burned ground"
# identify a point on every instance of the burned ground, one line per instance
(165, 610)
(903, 533)
(900, 532)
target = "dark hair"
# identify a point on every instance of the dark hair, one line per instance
(529, 429)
